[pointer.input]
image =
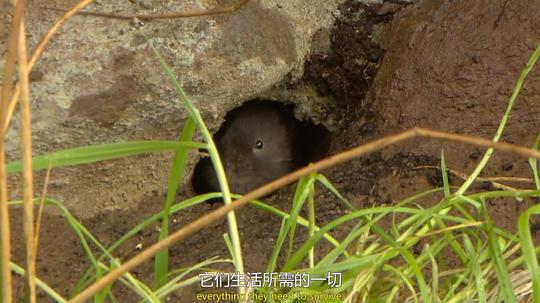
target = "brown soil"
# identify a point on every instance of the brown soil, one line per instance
(447, 65)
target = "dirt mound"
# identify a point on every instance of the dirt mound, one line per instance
(452, 66)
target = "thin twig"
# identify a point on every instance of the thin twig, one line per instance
(331, 161)
(449, 228)
(227, 9)
(462, 175)
(5, 239)
(40, 211)
(26, 153)
(37, 52)
(494, 181)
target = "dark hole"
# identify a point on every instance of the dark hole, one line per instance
(304, 142)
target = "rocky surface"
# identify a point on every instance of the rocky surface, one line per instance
(98, 81)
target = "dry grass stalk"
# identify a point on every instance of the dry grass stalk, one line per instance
(40, 210)
(26, 153)
(226, 9)
(9, 71)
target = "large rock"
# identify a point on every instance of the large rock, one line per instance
(98, 81)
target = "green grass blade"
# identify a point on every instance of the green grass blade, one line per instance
(176, 174)
(229, 245)
(405, 279)
(40, 284)
(324, 181)
(311, 219)
(176, 282)
(214, 156)
(533, 162)
(527, 246)
(444, 172)
(132, 283)
(105, 291)
(409, 258)
(333, 255)
(451, 240)
(288, 226)
(300, 196)
(434, 276)
(277, 247)
(356, 262)
(476, 269)
(302, 251)
(502, 124)
(102, 152)
(300, 220)
(505, 285)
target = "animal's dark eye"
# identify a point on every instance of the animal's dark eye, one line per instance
(258, 144)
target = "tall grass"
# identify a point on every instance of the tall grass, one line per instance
(486, 254)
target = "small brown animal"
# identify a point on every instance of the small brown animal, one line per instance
(259, 142)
